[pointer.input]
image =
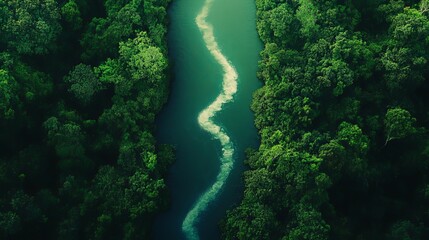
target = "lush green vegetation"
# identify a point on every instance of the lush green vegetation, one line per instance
(343, 118)
(80, 84)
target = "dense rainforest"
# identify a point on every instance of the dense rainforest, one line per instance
(80, 84)
(343, 117)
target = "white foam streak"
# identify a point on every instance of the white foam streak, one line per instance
(229, 88)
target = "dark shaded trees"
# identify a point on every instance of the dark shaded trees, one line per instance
(29, 27)
(80, 85)
(342, 80)
(83, 83)
(398, 124)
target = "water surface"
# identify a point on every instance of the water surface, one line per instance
(197, 81)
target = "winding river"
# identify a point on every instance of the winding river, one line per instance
(214, 50)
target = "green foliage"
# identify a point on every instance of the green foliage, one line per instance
(103, 34)
(409, 27)
(110, 72)
(322, 171)
(80, 85)
(8, 88)
(10, 223)
(334, 158)
(250, 221)
(337, 73)
(143, 60)
(124, 19)
(308, 226)
(355, 52)
(405, 230)
(35, 85)
(30, 26)
(398, 124)
(83, 83)
(391, 9)
(424, 6)
(71, 14)
(407, 54)
(67, 139)
(307, 15)
(352, 136)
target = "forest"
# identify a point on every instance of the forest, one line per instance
(80, 84)
(343, 117)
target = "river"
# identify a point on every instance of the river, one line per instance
(207, 118)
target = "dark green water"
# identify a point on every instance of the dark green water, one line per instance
(197, 81)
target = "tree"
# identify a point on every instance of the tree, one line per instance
(260, 187)
(390, 9)
(405, 230)
(67, 139)
(34, 85)
(8, 99)
(110, 72)
(336, 73)
(355, 52)
(329, 69)
(424, 6)
(250, 221)
(142, 194)
(103, 34)
(273, 58)
(334, 159)
(309, 225)
(410, 27)
(71, 14)
(398, 123)
(307, 15)
(406, 56)
(144, 60)
(30, 26)
(66, 172)
(83, 83)
(280, 19)
(24, 207)
(353, 137)
(10, 223)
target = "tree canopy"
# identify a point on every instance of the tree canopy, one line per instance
(343, 119)
(80, 85)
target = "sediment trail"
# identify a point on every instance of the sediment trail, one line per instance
(205, 120)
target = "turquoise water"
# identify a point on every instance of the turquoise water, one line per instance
(198, 76)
